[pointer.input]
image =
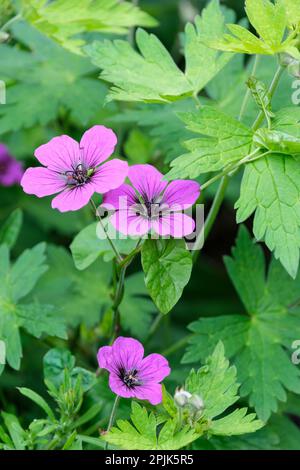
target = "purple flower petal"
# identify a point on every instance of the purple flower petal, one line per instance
(154, 368)
(151, 392)
(181, 194)
(130, 374)
(42, 182)
(128, 351)
(177, 224)
(11, 171)
(109, 176)
(59, 154)
(98, 143)
(73, 199)
(120, 198)
(147, 180)
(119, 388)
(132, 225)
(105, 358)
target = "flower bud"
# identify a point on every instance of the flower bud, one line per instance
(182, 397)
(294, 70)
(287, 60)
(291, 63)
(197, 402)
(3, 36)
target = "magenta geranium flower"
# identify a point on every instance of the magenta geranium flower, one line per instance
(11, 171)
(131, 374)
(152, 204)
(76, 171)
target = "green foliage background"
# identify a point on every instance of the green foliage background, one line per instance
(56, 282)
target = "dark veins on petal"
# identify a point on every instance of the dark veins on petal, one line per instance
(149, 209)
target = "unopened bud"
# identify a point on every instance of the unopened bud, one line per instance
(294, 70)
(3, 36)
(182, 397)
(197, 402)
(291, 63)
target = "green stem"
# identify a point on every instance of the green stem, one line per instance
(235, 166)
(126, 261)
(217, 202)
(119, 257)
(196, 98)
(248, 92)
(10, 22)
(112, 416)
(261, 116)
(117, 301)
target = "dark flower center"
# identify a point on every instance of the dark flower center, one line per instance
(129, 378)
(149, 209)
(79, 176)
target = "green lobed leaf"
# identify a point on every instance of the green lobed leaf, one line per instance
(142, 433)
(167, 265)
(57, 361)
(270, 22)
(236, 423)
(256, 341)
(64, 20)
(203, 62)
(277, 216)
(224, 140)
(215, 383)
(38, 319)
(16, 282)
(292, 8)
(152, 76)
(268, 19)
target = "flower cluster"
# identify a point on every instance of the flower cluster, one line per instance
(152, 204)
(75, 171)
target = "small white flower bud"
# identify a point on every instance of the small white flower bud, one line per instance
(3, 36)
(182, 397)
(197, 402)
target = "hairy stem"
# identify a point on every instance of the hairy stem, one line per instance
(261, 116)
(112, 416)
(119, 257)
(117, 301)
(10, 22)
(248, 92)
